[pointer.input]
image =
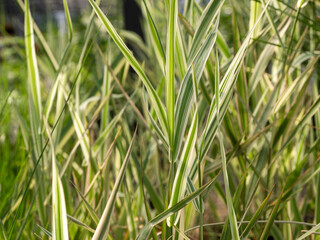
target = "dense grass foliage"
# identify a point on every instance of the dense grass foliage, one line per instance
(209, 129)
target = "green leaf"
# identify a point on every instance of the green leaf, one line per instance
(170, 70)
(185, 96)
(155, 100)
(231, 213)
(210, 13)
(102, 229)
(33, 72)
(145, 231)
(184, 167)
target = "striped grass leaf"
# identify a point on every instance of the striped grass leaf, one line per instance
(45, 231)
(264, 58)
(102, 229)
(241, 84)
(197, 201)
(289, 120)
(59, 212)
(231, 213)
(33, 72)
(310, 232)
(155, 38)
(35, 107)
(185, 95)
(42, 40)
(78, 222)
(107, 78)
(80, 131)
(255, 11)
(70, 34)
(68, 17)
(225, 90)
(170, 71)
(52, 94)
(145, 231)
(180, 52)
(210, 13)
(155, 100)
(90, 209)
(297, 83)
(317, 122)
(182, 235)
(184, 167)
(255, 217)
(311, 111)
(105, 133)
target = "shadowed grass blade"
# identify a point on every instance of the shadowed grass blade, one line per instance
(103, 226)
(145, 231)
(231, 213)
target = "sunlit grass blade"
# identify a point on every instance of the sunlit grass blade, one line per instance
(170, 71)
(264, 59)
(297, 84)
(102, 229)
(59, 212)
(159, 51)
(185, 96)
(43, 42)
(184, 167)
(225, 90)
(210, 13)
(155, 100)
(68, 17)
(310, 232)
(33, 72)
(255, 10)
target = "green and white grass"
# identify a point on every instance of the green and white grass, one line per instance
(215, 134)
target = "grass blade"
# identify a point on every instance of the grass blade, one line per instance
(184, 99)
(155, 100)
(33, 72)
(145, 231)
(103, 226)
(231, 213)
(210, 13)
(184, 167)
(170, 70)
(59, 212)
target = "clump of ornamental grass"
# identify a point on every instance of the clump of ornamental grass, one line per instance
(214, 133)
